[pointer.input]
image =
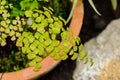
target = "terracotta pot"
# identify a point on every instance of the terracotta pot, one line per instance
(48, 63)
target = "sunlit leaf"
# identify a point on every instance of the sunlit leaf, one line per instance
(37, 67)
(37, 35)
(34, 5)
(47, 14)
(75, 55)
(83, 55)
(28, 13)
(32, 63)
(31, 55)
(64, 57)
(49, 48)
(80, 47)
(50, 20)
(38, 19)
(38, 59)
(56, 57)
(47, 42)
(71, 52)
(35, 15)
(66, 43)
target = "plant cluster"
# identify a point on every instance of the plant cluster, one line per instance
(36, 33)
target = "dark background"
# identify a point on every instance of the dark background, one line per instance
(92, 26)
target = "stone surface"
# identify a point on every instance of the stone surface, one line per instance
(105, 51)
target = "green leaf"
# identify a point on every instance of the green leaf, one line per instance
(31, 55)
(51, 25)
(17, 12)
(41, 29)
(36, 51)
(46, 35)
(71, 52)
(73, 42)
(27, 4)
(62, 19)
(37, 35)
(49, 10)
(78, 40)
(75, 55)
(34, 26)
(75, 48)
(19, 43)
(56, 57)
(32, 63)
(55, 18)
(3, 2)
(42, 16)
(65, 57)
(50, 20)
(37, 67)
(64, 35)
(38, 19)
(24, 49)
(44, 22)
(15, 68)
(65, 49)
(47, 14)
(93, 6)
(55, 30)
(34, 5)
(47, 42)
(3, 42)
(53, 36)
(91, 61)
(38, 11)
(38, 59)
(55, 43)
(62, 53)
(57, 25)
(66, 43)
(41, 50)
(83, 55)
(114, 4)
(32, 47)
(24, 4)
(31, 38)
(35, 15)
(53, 53)
(86, 61)
(36, 43)
(41, 38)
(71, 12)
(25, 40)
(28, 13)
(80, 47)
(49, 49)
(4, 35)
(18, 34)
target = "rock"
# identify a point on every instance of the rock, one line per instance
(105, 51)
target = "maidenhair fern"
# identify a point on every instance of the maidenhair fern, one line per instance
(37, 34)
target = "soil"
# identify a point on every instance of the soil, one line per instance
(92, 26)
